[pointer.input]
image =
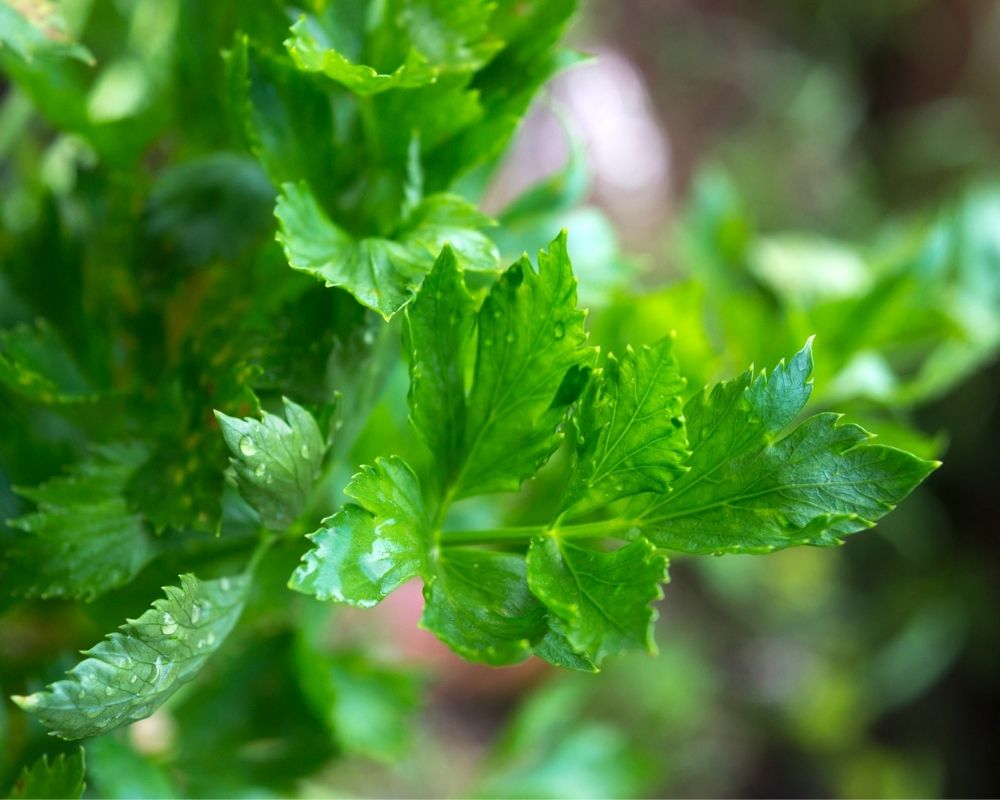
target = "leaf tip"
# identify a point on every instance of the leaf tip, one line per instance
(28, 703)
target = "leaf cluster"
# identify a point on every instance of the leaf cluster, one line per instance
(494, 388)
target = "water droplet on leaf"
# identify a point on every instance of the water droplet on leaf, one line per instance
(247, 446)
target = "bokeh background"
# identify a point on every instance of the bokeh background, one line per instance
(745, 174)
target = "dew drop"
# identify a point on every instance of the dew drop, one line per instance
(260, 471)
(169, 626)
(210, 639)
(224, 584)
(108, 691)
(559, 330)
(90, 713)
(247, 446)
(133, 679)
(195, 613)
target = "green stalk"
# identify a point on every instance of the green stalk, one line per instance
(605, 529)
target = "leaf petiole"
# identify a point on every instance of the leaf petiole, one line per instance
(604, 529)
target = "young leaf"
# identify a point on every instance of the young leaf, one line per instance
(276, 461)
(747, 490)
(438, 331)
(286, 116)
(602, 599)
(530, 362)
(454, 36)
(412, 41)
(631, 436)
(479, 604)
(381, 273)
(310, 55)
(504, 88)
(55, 780)
(82, 541)
(366, 551)
(130, 674)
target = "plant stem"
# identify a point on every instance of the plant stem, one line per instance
(260, 551)
(610, 528)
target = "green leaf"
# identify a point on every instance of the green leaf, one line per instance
(504, 88)
(276, 461)
(35, 29)
(630, 431)
(413, 43)
(479, 604)
(442, 219)
(310, 55)
(35, 364)
(454, 36)
(555, 648)
(368, 549)
(287, 118)
(44, 780)
(210, 208)
(438, 330)
(368, 708)
(749, 490)
(530, 365)
(130, 674)
(82, 541)
(382, 273)
(602, 598)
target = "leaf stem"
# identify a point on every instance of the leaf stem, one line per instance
(260, 551)
(604, 529)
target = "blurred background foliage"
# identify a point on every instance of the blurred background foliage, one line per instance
(745, 174)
